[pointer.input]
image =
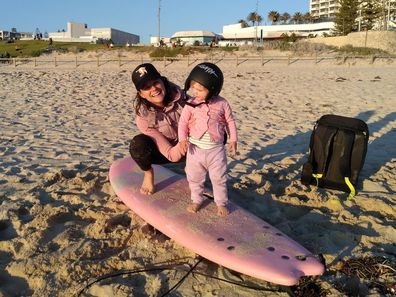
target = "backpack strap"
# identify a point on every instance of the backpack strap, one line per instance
(307, 169)
(351, 188)
(323, 139)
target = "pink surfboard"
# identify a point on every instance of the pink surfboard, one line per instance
(241, 241)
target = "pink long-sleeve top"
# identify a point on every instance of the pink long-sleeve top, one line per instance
(215, 117)
(162, 125)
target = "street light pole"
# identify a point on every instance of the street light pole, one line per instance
(159, 21)
(255, 34)
(387, 24)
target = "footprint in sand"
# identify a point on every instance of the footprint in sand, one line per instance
(122, 220)
(7, 231)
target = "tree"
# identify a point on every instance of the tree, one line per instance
(297, 17)
(254, 18)
(307, 17)
(370, 13)
(243, 23)
(284, 17)
(259, 19)
(345, 19)
(273, 16)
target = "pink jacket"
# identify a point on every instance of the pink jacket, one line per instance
(215, 118)
(161, 126)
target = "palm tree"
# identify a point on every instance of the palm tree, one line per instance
(297, 17)
(252, 17)
(259, 19)
(284, 17)
(273, 16)
(243, 23)
(307, 17)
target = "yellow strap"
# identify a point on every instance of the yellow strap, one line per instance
(317, 176)
(351, 188)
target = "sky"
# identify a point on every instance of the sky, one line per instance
(139, 17)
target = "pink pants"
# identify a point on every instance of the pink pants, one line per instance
(200, 162)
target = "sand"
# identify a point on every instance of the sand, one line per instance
(62, 227)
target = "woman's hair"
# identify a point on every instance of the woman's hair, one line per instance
(169, 94)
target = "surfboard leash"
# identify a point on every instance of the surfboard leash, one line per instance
(173, 266)
(200, 259)
(131, 271)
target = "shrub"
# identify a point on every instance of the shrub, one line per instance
(5, 55)
(362, 51)
(76, 50)
(36, 53)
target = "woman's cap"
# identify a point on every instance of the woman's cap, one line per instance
(143, 74)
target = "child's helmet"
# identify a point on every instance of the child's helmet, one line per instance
(209, 75)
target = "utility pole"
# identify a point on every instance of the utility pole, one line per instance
(159, 21)
(387, 24)
(255, 37)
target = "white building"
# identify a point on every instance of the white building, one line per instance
(81, 33)
(235, 33)
(325, 9)
(194, 37)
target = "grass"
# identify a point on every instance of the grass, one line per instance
(362, 51)
(35, 48)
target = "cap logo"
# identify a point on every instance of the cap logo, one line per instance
(207, 69)
(142, 71)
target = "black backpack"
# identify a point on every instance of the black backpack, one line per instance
(337, 151)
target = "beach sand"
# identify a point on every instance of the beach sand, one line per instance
(62, 227)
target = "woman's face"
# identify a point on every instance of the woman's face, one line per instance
(154, 92)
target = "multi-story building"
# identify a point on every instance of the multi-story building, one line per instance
(14, 35)
(77, 32)
(324, 9)
(327, 9)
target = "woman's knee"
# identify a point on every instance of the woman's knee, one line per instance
(141, 146)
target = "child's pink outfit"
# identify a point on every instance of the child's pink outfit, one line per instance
(204, 126)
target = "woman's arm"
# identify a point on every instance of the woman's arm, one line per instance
(172, 153)
(182, 130)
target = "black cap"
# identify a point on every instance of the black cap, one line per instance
(143, 74)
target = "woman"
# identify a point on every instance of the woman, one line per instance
(158, 106)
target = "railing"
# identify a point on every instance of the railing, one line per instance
(262, 60)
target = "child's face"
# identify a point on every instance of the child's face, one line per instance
(199, 91)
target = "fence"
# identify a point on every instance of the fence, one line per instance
(261, 60)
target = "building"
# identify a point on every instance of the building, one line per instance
(194, 37)
(77, 32)
(327, 9)
(237, 34)
(15, 35)
(324, 9)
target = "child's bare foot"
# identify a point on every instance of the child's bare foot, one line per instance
(222, 211)
(193, 207)
(147, 187)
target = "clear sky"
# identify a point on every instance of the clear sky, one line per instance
(139, 17)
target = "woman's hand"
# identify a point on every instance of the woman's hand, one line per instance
(232, 146)
(183, 146)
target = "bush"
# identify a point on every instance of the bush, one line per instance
(5, 55)
(76, 50)
(362, 51)
(36, 53)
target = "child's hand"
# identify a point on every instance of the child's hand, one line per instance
(232, 146)
(183, 146)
